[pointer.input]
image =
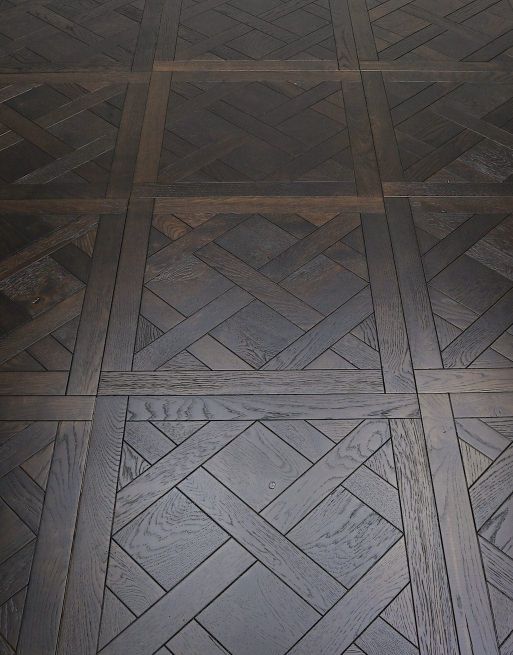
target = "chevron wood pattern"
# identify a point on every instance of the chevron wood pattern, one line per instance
(256, 327)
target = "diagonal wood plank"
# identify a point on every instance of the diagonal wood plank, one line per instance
(262, 540)
(359, 607)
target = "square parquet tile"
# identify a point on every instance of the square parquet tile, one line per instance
(253, 131)
(265, 29)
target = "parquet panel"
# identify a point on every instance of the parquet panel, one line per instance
(256, 327)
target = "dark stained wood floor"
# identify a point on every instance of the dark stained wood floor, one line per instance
(256, 307)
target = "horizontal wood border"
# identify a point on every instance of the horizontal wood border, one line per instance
(199, 383)
(47, 408)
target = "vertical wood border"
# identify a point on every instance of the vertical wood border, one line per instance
(365, 165)
(432, 601)
(80, 624)
(166, 41)
(85, 367)
(121, 336)
(45, 595)
(127, 144)
(385, 142)
(474, 620)
(420, 324)
(152, 134)
(392, 337)
(147, 38)
(343, 32)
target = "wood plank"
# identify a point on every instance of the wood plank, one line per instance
(393, 341)
(47, 408)
(366, 172)
(152, 134)
(130, 582)
(15, 571)
(221, 200)
(464, 380)
(147, 40)
(362, 30)
(47, 244)
(56, 205)
(166, 40)
(498, 567)
(124, 313)
(481, 437)
(304, 250)
(387, 152)
(418, 316)
(472, 611)
(256, 408)
(47, 586)
(25, 443)
(125, 152)
(430, 588)
(80, 623)
(51, 383)
(85, 369)
(343, 32)
(190, 383)
(458, 242)
(474, 405)
(24, 496)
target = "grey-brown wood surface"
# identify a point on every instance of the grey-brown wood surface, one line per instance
(256, 327)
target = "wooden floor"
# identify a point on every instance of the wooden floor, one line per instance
(256, 354)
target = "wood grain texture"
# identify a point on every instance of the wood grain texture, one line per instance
(359, 607)
(264, 542)
(80, 621)
(418, 316)
(178, 606)
(239, 241)
(393, 341)
(47, 408)
(469, 405)
(330, 471)
(480, 334)
(465, 380)
(51, 383)
(225, 408)
(474, 621)
(85, 369)
(226, 383)
(47, 586)
(430, 587)
(121, 335)
(173, 468)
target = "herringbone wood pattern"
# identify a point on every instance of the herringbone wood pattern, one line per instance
(256, 351)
